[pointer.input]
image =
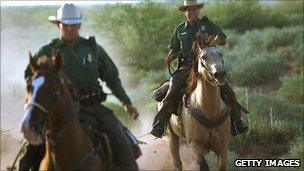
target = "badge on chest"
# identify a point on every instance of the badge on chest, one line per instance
(87, 59)
(90, 58)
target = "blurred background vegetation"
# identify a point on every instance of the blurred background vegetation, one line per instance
(264, 59)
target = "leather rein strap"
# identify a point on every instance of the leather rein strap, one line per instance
(200, 116)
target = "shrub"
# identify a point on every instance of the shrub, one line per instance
(260, 69)
(141, 32)
(292, 88)
(296, 151)
(271, 119)
(296, 148)
(248, 15)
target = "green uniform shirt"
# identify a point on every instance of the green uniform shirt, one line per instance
(83, 67)
(184, 35)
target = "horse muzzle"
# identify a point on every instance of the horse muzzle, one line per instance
(28, 131)
(220, 77)
(32, 137)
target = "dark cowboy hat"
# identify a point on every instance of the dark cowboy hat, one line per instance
(190, 3)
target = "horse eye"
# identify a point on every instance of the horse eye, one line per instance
(204, 57)
(50, 89)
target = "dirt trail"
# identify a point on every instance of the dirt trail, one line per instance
(10, 145)
(156, 156)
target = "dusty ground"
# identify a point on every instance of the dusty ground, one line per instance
(156, 156)
(10, 145)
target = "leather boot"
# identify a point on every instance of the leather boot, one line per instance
(158, 129)
(238, 126)
(160, 121)
(32, 158)
(176, 84)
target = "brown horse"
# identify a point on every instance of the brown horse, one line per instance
(52, 115)
(204, 122)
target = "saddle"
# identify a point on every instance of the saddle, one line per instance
(100, 139)
(160, 93)
(227, 95)
(91, 122)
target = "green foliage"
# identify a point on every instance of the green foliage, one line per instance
(25, 17)
(292, 88)
(140, 33)
(296, 151)
(248, 15)
(272, 38)
(258, 70)
(296, 148)
(271, 119)
(290, 7)
(258, 57)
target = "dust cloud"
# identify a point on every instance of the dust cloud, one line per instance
(156, 154)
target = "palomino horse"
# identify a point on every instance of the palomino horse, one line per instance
(204, 122)
(51, 114)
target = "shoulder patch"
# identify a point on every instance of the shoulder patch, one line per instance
(204, 18)
(91, 40)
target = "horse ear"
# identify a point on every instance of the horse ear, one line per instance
(58, 61)
(32, 63)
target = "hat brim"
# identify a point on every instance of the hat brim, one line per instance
(55, 20)
(183, 7)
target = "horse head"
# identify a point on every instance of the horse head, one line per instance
(210, 63)
(48, 100)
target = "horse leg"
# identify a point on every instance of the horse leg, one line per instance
(198, 152)
(174, 149)
(222, 158)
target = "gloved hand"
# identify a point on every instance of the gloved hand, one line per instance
(128, 107)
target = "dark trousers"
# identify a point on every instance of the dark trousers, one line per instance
(123, 157)
(32, 158)
(177, 83)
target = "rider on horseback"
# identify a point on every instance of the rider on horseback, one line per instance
(84, 62)
(180, 45)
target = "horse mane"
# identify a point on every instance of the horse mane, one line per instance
(193, 77)
(45, 63)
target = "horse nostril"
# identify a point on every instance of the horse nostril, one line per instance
(220, 74)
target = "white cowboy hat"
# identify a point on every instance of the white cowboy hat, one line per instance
(67, 14)
(190, 3)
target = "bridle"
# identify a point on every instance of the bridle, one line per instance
(212, 79)
(46, 109)
(56, 137)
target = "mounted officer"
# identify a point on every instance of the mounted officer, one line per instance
(181, 43)
(84, 62)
